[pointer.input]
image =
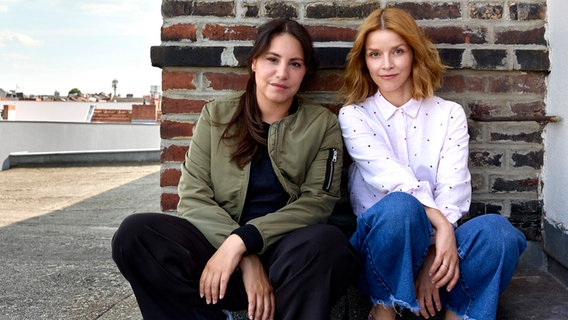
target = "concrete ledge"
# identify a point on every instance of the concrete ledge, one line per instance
(87, 157)
(556, 247)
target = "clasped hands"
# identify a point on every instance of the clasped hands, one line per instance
(220, 267)
(440, 267)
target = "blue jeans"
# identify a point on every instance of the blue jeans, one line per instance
(393, 237)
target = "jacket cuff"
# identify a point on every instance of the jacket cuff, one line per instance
(251, 238)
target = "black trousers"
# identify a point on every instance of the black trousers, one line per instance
(162, 256)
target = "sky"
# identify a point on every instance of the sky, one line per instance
(58, 45)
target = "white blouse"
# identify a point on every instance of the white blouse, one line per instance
(420, 148)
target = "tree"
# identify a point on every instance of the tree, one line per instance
(114, 84)
(74, 91)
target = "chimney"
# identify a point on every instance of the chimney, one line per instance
(144, 113)
(9, 112)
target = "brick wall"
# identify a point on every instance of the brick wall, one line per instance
(496, 51)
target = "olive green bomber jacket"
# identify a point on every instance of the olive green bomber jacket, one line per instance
(305, 149)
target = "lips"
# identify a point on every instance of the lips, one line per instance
(279, 86)
(388, 76)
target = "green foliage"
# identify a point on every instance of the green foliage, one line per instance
(74, 91)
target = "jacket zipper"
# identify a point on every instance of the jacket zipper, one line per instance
(277, 128)
(330, 169)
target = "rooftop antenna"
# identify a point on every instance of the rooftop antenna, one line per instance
(154, 91)
(114, 84)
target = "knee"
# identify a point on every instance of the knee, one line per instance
(501, 230)
(500, 236)
(129, 230)
(396, 212)
(328, 241)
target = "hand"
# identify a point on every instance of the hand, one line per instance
(445, 269)
(261, 301)
(219, 268)
(426, 292)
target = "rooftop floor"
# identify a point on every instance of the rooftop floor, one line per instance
(56, 225)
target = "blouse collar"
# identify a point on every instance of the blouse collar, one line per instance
(387, 109)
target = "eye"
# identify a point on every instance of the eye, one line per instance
(398, 51)
(272, 59)
(373, 54)
(296, 64)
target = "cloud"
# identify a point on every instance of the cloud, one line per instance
(4, 4)
(130, 7)
(9, 36)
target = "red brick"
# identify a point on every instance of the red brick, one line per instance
(518, 83)
(112, 115)
(220, 32)
(326, 33)
(182, 31)
(169, 201)
(536, 108)
(461, 83)
(178, 80)
(456, 35)
(430, 11)
(144, 112)
(170, 105)
(516, 37)
(226, 80)
(485, 11)
(214, 8)
(170, 177)
(527, 11)
(485, 109)
(173, 129)
(329, 82)
(174, 153)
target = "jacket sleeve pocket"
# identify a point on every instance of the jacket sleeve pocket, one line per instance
(330, 169)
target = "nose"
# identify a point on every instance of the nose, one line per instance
(282, 71)
(387, 62)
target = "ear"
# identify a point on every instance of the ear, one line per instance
(253, 65)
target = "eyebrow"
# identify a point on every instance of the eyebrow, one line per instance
(279, 56)
(393, 47)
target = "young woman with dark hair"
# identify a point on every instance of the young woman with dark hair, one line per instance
(258, 183)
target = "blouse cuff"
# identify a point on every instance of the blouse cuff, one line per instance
(424, 194)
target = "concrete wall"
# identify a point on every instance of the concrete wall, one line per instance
(59, 111)
(555, 175)
(21, 136)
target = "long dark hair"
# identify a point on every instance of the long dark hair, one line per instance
(246, 127)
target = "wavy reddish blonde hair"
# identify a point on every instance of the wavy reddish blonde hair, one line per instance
(427, 68)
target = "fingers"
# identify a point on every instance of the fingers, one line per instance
(446, 275)
(212, 286)
(454, 280)
(430, 305)
(261, 307)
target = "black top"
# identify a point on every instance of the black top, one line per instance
(265, 195)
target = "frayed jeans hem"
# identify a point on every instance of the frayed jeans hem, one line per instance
(394, 302)
(461, 316)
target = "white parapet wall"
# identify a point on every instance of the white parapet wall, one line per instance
(20, 137)
(555, 171)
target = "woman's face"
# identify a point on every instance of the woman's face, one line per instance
(279, 72)
(389, 60)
